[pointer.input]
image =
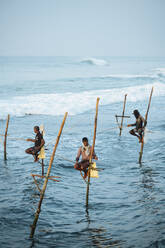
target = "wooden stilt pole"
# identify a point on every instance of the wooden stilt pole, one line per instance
(50, 178)
(42, 163)
(5, 139)
(124, 116)
(46, 179)
(146, 116)
(117, 121)
(121, 126)
(93, 146)
(42, 160)
(36, 184)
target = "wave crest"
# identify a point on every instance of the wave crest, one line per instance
(93, 61)
(160, 72)
(75, 103)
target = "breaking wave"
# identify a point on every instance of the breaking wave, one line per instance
(93, 61)
(160, 72)
(129, 76)
(75, 103)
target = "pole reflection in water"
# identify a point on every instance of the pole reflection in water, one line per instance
(99, 236)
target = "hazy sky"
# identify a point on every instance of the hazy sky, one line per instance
(82, 27)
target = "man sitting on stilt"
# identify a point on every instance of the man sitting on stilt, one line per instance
(140, 125)
(84, 151)
(39, 143)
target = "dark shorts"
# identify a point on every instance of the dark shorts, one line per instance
(139, 131)
(83, 165)
(33, 150)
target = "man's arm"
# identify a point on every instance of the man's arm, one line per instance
(78, 154)
(131, 125)
(144, 122)
(32, 140)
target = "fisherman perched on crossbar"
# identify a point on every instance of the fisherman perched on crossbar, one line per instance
(85, 152)
(39, 143)
(140, 124)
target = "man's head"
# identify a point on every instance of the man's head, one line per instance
(136, 113)
(36, 129)
(85, 141)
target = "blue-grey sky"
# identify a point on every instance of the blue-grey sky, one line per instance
(82, 27)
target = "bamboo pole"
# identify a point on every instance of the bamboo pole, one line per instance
(93, 146)
(36, 184)
(124, 116)
(117, 121)
(146, 116)
(46, 179)
(121, 126)
(36, 175)
(50, 177)
(42, 160)
(5, 138)
(42, 163)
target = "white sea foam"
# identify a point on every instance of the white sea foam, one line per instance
(75, 103)
(129, 76)
(93, 61)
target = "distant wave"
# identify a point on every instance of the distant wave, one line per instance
(75, 103)
(129, 76)
(93, 61)
(160, 72)
(114, 77)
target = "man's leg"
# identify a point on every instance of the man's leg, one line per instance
(141, 133)
(33, 151)
(36, 157)
(133, 132)
(30, 150)
(36, 151)
(77, 166)
(85, 174)
(82, 166)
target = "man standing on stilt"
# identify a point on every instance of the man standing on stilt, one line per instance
(140, 125)
(84, 151)
(39, 143)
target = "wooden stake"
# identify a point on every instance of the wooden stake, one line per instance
(146, 116)
(36, 183)
(5, 139)
(42, 163)
(50, 178)
(93, 146)
(121, 126)
(124, 116)
(46, 179)
(117, 121)
(42, 160)
(36, 175)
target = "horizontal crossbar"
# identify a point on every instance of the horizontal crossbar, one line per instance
(124, 116)
(51, 177)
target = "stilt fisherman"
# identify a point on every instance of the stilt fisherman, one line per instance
(39, 143)
(85, 152)
(140, 124)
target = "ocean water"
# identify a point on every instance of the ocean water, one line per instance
(126, 202)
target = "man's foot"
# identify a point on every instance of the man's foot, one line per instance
(140, 139)
(85, 176)
(36, 159)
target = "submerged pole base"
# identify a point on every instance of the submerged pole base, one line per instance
(140, 157)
